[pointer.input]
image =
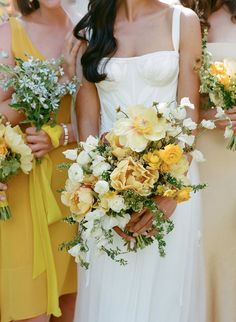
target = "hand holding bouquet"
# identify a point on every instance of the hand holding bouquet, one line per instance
(37, 89)
(15, 155)
(145, 155)
(218, 81)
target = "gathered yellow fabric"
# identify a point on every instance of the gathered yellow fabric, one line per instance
(45, 211)
(34, 273)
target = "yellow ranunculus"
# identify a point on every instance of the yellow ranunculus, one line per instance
(131, 175)
(180, 169)
(153, 160)
(222, 72)
(80, 201)
(170, 193)
(184, 194)
(171, 154)
(140, 127)
(118, 150)
(164, 167)
(3, 148)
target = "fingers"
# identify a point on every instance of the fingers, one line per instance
(146, 226)
(32, 131)
(3, 186)
(135, 218)
(231, 110)
(123, 234)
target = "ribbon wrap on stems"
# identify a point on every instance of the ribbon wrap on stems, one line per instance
(45, 211)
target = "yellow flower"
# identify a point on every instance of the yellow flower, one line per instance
(153, 160)
(180, 169)
(118, 150)
(184, 194)
(131, 175)
(164, 167)
(80, 201)
(3, 148)
(141, 127)
(170, 193)
(219, 70)
(171, 154)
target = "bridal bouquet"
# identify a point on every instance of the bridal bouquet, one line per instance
(143, 156)
(37, 90)
(15, 155)
(218, 81)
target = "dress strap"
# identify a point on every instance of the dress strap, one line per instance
(176, 27)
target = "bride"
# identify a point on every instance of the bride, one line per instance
(140, 51)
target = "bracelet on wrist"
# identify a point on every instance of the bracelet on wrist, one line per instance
(66, 134)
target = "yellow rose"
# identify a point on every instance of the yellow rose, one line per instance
(153, 160)
(118, 150)
(133, 176)
(3, 148)
(164, 167)
(80, 201)
(171, 154)
(219, 70)
(184, 194)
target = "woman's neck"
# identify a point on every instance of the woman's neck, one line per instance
(132, 9)
(55, 16)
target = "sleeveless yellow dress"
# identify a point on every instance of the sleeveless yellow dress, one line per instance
(21, 295)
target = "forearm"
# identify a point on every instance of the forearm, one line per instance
(11, 115)
(71, 135)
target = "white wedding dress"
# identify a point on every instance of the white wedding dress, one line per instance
(149, 288)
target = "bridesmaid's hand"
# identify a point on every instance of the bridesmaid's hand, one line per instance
(3, 187)
(232, 115)
(39, 142)
(141, 223)
(69, 54)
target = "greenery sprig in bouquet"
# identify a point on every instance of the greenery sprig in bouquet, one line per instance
(37, 88)
(143, 156)
(15, 155)
(218, 81)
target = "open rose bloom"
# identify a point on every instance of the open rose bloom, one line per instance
(144, 155)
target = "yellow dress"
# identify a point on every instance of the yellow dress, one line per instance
(21, 295)
(219, 214)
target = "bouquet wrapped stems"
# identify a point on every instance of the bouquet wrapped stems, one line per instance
(5, 212)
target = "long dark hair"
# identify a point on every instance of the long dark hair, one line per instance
(98, 25)
(26, 7)
(204, 8)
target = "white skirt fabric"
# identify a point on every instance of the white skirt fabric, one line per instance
(150, 288)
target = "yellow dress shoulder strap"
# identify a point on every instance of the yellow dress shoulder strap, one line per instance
(21, 43)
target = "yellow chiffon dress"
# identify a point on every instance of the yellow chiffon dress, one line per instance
(23, 296)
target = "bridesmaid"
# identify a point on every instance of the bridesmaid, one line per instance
(24, 295)
(219, 173)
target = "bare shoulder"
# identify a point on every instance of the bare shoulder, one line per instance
(189, 18)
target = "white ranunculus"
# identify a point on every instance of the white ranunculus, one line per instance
(99, 166)
(220, 113)
(229, 132)
(70, 154)
(208, 124)
(117, 203)
(185, 102)
(189, 124)
(90, 144)
(197, 156)
(83, 158)
(187, 139)
(179, 113)
(75, 173)
(101, 187)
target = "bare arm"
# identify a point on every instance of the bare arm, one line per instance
(190, 55)
(13, 116)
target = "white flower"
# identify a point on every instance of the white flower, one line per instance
(229, 132)
(208, 124)
(179, 113)
(185, 102)
(83, 158)
(70, 154)
(173, 130)
(197, 156)
(109, 222)
(117, 203)
(75, 173)
(101, 187)
(123, 221)
(99, 166)
(187, 139)
(75, 250)
(95, 215)
(220, 113)
(90, 144)
(165, 109)
(189, 124)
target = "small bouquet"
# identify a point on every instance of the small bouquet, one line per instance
(218, 81)
(145, 155)
(37, 90)
(15, 155)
